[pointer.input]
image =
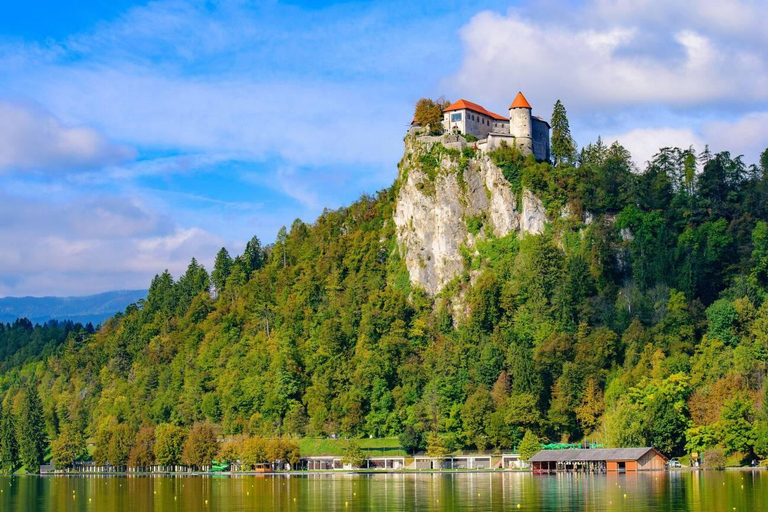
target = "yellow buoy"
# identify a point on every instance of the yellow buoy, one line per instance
(518, 505)
(625, 495)
(346, 503)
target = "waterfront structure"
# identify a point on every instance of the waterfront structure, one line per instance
(418, 462)
(598, 460)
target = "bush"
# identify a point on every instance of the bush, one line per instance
(354, 455)
(714, 458)
(430, 113)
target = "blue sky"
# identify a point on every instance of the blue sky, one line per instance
(135, 135)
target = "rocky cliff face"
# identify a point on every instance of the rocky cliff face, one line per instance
(447, 201)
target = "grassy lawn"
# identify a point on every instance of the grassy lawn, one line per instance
(372, 447)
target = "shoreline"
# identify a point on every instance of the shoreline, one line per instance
(368, 472)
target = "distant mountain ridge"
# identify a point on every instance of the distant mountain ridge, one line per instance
(90, 308)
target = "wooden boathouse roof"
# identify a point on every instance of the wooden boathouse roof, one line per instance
(594, 454)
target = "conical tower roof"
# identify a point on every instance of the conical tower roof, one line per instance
(520, 102)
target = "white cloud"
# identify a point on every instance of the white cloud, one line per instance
(747, 135)
(650, 73)
(91, 244)
(260, 80)
(603, 57)
(740, 19)
(34, 140)
(643, 143)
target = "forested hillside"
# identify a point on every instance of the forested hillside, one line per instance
(637, 318)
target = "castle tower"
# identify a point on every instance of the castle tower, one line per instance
(520, 123)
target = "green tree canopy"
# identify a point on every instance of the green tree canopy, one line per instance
(563, 145)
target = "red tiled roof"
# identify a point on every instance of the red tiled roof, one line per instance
(468, 105)
(520, 102)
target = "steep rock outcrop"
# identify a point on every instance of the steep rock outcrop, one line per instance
(447, 201)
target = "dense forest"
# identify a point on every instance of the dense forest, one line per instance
(638, 319)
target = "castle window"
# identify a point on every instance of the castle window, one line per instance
(456, 117)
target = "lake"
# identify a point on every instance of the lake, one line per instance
(658, 491)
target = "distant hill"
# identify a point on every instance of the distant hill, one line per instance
(91, 308)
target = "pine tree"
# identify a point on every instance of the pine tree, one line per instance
(222, 267)
(282, 239)
(194, 281)
(563, 145)
(32, 439)
(162, 294)
(9, 446)
(253, 256)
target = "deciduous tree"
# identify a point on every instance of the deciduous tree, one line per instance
(169, 444)
(200, 447)
(69, 447)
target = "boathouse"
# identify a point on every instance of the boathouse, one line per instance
(598, 460)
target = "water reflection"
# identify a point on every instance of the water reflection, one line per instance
(673, 491)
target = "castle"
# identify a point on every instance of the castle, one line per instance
(529, 133)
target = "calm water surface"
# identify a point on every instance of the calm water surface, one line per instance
(673, 491)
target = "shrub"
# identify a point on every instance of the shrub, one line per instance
(714, 458)
(354, 455)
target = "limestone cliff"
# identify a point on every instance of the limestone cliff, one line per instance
(448, 199)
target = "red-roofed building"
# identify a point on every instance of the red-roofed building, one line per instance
(529, 133)
(470, 118)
